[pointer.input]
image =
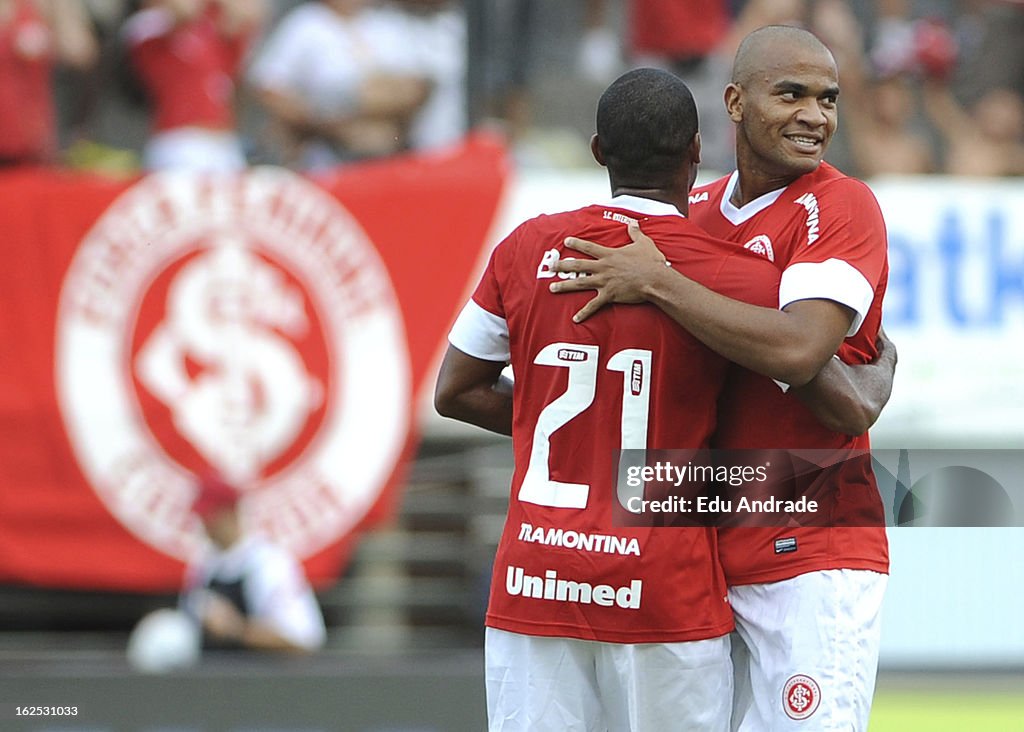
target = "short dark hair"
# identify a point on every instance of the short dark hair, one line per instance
(646, 121)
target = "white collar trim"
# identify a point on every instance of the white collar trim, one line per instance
(645, 206)
(740, 215)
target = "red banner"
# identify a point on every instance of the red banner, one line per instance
(268, 326)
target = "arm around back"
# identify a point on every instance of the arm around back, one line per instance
(789, 345)
(848, 398)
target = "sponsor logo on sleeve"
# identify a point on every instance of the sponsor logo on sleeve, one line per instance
(810, 203)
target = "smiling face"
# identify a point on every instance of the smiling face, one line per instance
(783, 101)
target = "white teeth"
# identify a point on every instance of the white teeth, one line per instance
(804, 140)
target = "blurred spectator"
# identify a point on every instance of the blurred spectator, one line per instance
(983, 138)
(679, 35)
(893, 44)
(682, 37)
(245, 592)
(511, 76)
(687, 39)
(433, 46)
(994, 53)
(186, 55)
(877, 111)
(95, 128)
(879, 121)
(600, 57)
(986, 139)
(756, 13)
(334, 78)
(35, 35)
(505, 46)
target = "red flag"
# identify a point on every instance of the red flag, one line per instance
(269, 327)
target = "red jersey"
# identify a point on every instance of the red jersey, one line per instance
(583, 392)
(27, 121)
(825, 233)
(188, 70)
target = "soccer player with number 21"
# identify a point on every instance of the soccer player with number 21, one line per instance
(806, 599)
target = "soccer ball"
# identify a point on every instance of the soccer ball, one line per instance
(164, 640)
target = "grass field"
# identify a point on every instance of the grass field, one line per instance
(913, 711)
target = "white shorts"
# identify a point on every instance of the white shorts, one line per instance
(536, 683)
(194, 149)
(806, 654)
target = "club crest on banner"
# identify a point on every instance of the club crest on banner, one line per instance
(245, 325)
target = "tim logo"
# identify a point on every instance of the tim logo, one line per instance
(762, 245)
(571, 354)
(801, 697)
(243, 324)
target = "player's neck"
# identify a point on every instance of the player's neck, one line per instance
(680, 201)
(754, 180)
(751, 185)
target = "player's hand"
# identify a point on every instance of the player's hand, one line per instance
(619, 274)
(885, 346)
(220, 617)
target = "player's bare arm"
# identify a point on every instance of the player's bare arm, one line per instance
(473, 390)
(848, 399)
(790, 345)
(260, 636)
(224, 622)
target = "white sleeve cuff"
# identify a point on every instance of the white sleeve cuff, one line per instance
(480, 334)
(833, 279)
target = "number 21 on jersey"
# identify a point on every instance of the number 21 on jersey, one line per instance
(582, 363)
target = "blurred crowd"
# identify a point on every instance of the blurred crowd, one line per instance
(927, 87)
(225, 83)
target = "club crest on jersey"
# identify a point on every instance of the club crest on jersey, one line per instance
(801, 696)
(810, 203)
(244, 325)
(762, 245)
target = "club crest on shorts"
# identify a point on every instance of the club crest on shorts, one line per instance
(244, 324)
(800, 697)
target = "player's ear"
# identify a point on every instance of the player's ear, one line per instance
(734, 102)
(595, 150)
(695, 149)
